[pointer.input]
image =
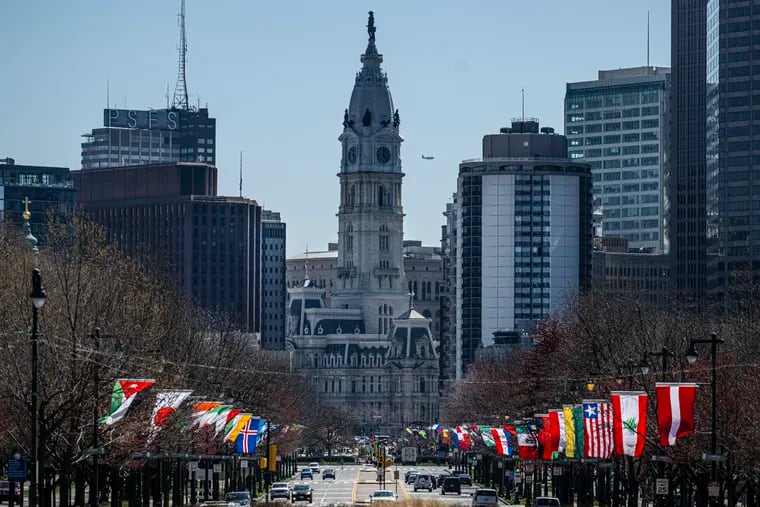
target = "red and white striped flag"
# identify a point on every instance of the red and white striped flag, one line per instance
(629, 422)
(675, 411)
(597, 429)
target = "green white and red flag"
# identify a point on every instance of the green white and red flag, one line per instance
(124, 393)
(629, 422)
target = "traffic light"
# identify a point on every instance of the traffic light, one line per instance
(262, 463)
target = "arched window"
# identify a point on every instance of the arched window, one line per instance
(349, 237)
(384, 241)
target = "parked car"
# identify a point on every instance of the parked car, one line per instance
(411, 477)
(329, 473)
(423, 481)
(314, 467)
(451, 485)
(382, 495)
(547, 501)
(306, 474)
(280, 490)
(440, 478)
(302, 492)
(465, 479)
(485, 498)
(238, 498)
(5, 489)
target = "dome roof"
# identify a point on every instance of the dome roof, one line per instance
(371, 104)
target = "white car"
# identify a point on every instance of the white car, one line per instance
(314, 467)
(382, 495)
(280, 490)
(485, 498)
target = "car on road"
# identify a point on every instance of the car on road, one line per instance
(485, 498)
(465, 479)
(424, 481)
(306, 474)
(440, 478)
(5, 491)
(410, 477)
(451, 485)
(382, 495)
(302, 492)
(314, 467)
(238, 498)
(329, 473)
(547, 501)
(280, 490)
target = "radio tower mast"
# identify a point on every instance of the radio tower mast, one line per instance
(180, 91)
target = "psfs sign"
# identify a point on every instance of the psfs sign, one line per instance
(161, 119)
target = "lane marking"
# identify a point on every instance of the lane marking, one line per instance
(356, 485)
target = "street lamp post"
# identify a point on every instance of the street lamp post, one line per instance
(95, 490)
(691, 356)
(38, 301)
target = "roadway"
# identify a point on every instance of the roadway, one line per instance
(353, 484)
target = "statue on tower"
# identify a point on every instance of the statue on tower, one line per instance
(371, 26)
(396, 119)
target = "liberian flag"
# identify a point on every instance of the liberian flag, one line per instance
(675, 411)
(597, 429)
(527, 448)
(124, 393)
(167, 402)
(629, 422)
(501, 439)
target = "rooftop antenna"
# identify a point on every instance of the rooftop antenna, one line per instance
(306, 267)
(523, 103)
(167, 95)
(241, 173)
(647, 38)
(180, 91)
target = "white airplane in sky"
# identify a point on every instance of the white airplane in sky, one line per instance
(427, 158)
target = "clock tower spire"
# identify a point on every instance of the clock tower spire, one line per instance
(370, 216)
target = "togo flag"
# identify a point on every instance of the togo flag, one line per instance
(124, 393)
(629, 422)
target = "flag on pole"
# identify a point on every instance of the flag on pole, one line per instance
(463, 440)
(597, 429)
(559, 440)
(578, 422)
(248, 437)
(124, 393)
(570, 446)
(167, 402)
(501, 440)
(487, 435)
(527, 447)
(545, 436)
(235, 426)
(200, 411)
(675, 411)
(629, 422)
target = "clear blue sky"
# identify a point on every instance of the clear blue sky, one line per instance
(278, 75)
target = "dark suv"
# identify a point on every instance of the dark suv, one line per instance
(451, 485)
(301, 492)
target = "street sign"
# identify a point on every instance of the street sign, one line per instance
(244, 463)
(17, 470)
(713, 457)
(192, 466)
(217, 468)
(662, 486)
(713, 489)
(557, 470)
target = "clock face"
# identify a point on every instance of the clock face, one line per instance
(352, 155)
(383, 155)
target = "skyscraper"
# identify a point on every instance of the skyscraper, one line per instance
(523, 222)
(619, 125)
(273, 294)
(686, 177)
(732, 147)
